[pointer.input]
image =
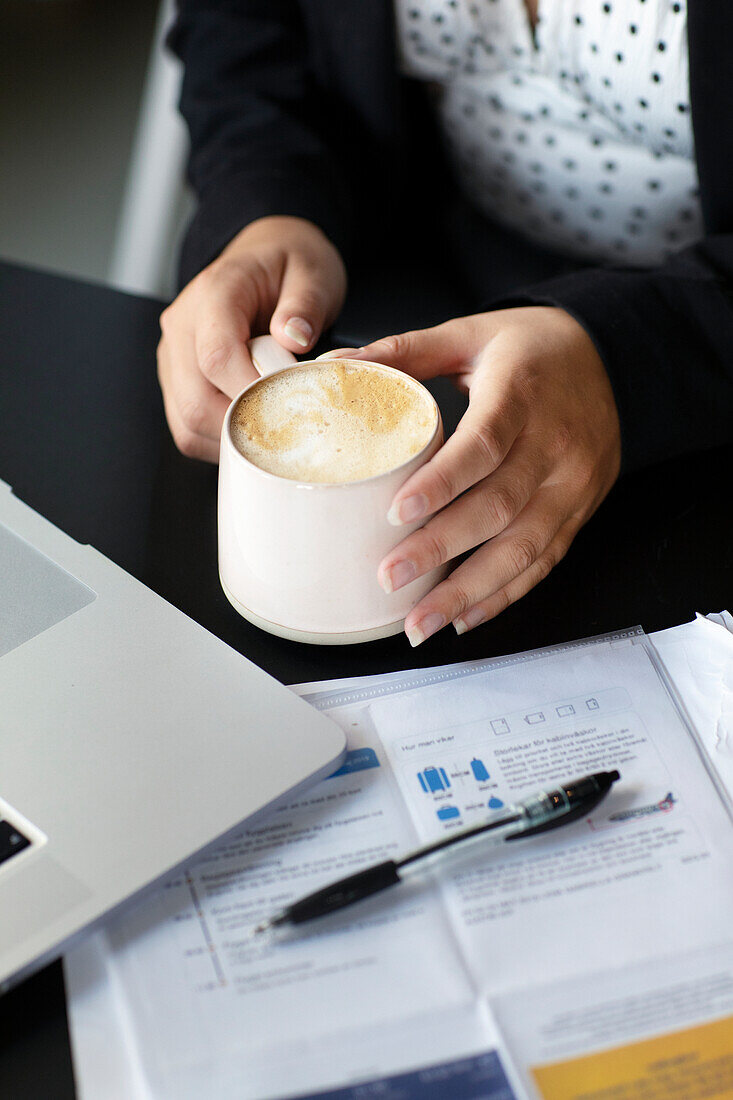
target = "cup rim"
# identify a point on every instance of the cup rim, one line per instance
(226, 438)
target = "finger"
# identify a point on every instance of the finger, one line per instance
(309, 299)
(520, 586)
(188, 443)
(495, 565)
(478, 446)
(426, 353)
(221, 331)
(339, 353)
(480, 514)
(462, 382)
(194, 408)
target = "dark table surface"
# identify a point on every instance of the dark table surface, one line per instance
(83, 440)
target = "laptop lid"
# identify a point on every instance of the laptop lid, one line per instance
(130, 738)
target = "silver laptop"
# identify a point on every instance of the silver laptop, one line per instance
(130, 738)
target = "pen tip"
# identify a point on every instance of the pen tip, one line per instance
(262, 928)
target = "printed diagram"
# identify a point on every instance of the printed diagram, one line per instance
(479, 770)
(460, 775)
(560, 710)
(445, 813)
(433, 779)
(473, 782)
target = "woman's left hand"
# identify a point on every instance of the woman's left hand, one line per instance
(532, 458)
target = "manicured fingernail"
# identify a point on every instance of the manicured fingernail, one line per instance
(299, 330)
(426, 627)
(472, 618)
(402, 572)
(407, 510)
(338, 353)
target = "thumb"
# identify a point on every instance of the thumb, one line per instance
(449, 348)
(309, 299)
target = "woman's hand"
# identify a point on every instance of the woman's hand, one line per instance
(532, 458)
(279, 273)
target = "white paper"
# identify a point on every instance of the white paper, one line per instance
(632, 874)
(231, 1014)
(699, 659)
(614, 1009)
(402, 981)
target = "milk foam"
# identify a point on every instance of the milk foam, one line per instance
(332, 422)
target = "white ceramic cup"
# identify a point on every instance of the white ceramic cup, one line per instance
(300, 560)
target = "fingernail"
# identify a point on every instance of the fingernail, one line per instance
(299, 330)
(402, 572)
(427, 626)
(472, 618)
(338, 353)
(407, 510)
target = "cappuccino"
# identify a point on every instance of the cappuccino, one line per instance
(333, 421)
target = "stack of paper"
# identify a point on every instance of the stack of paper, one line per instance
(493, 980)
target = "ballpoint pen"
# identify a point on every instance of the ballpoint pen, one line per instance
(537, 814)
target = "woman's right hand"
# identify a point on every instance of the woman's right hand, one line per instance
(280, 274)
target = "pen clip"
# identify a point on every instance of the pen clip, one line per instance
(573, 814)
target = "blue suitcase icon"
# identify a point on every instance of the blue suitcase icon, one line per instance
(445, 813)
(433, 779)
(478, 768)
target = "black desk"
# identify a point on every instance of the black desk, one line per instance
(83, 440)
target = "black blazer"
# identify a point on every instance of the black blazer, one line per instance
(296, 107)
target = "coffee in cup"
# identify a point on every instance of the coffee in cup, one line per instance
(333, 422)
(311, 458)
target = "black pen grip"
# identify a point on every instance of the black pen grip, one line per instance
(343, 893)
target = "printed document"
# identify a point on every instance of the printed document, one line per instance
(654, 1031)
(406, 989)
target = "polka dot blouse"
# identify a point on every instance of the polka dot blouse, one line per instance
(577, 135)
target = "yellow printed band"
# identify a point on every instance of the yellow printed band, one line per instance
(695, 1064)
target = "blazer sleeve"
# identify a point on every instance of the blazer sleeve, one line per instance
(666, 339)
(252, 109)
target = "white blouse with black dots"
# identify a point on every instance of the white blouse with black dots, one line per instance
(579, 135)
